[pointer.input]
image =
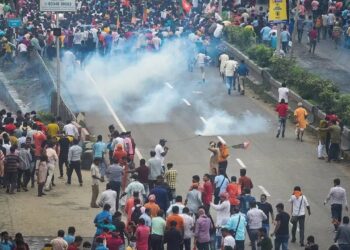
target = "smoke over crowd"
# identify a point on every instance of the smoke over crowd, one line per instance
(135, 86)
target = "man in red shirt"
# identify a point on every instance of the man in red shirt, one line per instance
(244, 180)
(207, 194)
(76, 244)
(282, 110)
(313, 39)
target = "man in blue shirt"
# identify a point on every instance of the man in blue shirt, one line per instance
(265, 34)
(99, 149)
(237, 223)
(285, 37)
(245, 201)
(242, 72)
(101, 217)
(70, 237)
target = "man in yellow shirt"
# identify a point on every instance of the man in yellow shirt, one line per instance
(52, 128)
(300, 115)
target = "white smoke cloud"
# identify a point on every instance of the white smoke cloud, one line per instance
(222, 123)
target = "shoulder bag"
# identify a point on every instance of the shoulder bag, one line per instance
(294, 218)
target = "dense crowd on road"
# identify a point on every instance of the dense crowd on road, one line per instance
(146, 211)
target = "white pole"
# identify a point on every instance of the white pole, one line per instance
(58, 69)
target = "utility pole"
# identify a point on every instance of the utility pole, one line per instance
(220, 8)
(296, 17)
(58, 68)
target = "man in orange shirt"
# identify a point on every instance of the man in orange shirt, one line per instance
(234, 190)
(175, 217)
(300, 115)
(152, 205)
(244, 180)
(130, 204)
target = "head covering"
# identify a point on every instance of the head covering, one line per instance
(201, 212)
(300, 104)
(152, 197)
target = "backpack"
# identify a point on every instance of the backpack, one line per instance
(136, 214)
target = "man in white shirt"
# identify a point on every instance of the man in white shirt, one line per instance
(95, 180)
(188, 227)
(229, 241)
(223, 58)
(59, 243)
(230, 68)
(201, 59)
(255, 217)
(135, 186)
(155, 169)
(161, 151)
(178, 203)
(71, 130)
(298, 203)
(109, 197)
(337, 198)
(283, 93)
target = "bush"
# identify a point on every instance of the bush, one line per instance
(261, 54)
(45, 117)
(241, 37)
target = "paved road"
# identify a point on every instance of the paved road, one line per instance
(328, 62)
(275, 165)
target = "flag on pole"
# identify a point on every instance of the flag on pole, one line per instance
(186, 6)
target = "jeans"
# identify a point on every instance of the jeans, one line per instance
(285, 46)
(229, 82)
(74, 165)
(62, 160)
(26, 178)
(11, 181)
(312, 46)
(253, 235)
(281, 126)
(115, 185)
(301, 222)
(336, 210)
(281, 240)
(187, 244)
(218, 241)
(157, 242)
(300, 35)
(334, 149)
(239, 244)
(267, 227)
(203, 246)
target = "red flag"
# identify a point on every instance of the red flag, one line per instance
(186, 6)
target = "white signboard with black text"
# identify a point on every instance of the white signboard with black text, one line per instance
(57, 5)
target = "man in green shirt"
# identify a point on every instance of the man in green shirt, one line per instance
(335, 134)
(158, 228)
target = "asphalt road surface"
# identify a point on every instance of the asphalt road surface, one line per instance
(275, 165)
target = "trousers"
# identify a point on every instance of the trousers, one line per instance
(74, 165)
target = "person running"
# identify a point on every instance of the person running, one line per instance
(201, 60)
(282, 110)
(298, 203)
(300, 115)
(337, 198)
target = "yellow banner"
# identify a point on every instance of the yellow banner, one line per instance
(278, 10)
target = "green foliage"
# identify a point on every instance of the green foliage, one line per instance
(261, 54)
(240, 37)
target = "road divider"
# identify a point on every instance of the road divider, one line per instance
(203, 120)
(221, 139)
(169, 85)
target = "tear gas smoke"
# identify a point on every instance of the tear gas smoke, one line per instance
(221, 123)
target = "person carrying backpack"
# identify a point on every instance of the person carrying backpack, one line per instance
(137, 211)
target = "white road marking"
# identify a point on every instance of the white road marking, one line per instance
(220, 139)
(169, 85)
(264, 191)
(240, 162)
(203, 120)
(110, 108)
(187, 102)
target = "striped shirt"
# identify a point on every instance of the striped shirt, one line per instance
(11, 163)
(170, 177)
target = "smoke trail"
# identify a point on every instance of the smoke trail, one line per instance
(221, 123)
